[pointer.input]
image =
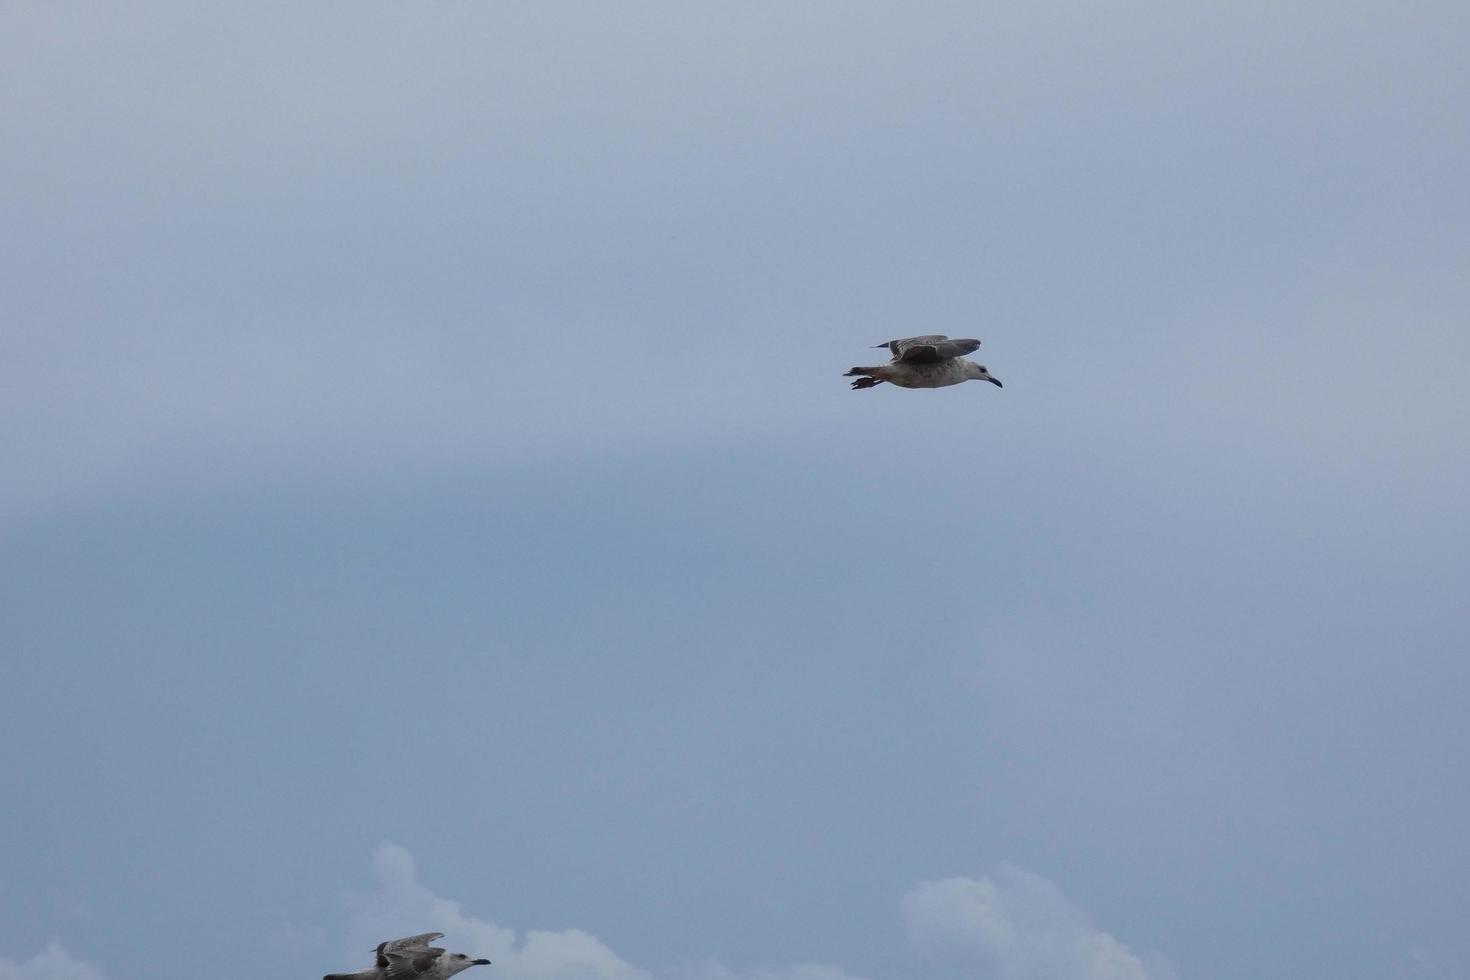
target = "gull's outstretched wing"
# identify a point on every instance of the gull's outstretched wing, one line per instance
(420, 942)
(896, 347)
(929, 350)
(410, 962)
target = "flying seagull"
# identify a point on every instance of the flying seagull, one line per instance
(931, 361)
(412, 959)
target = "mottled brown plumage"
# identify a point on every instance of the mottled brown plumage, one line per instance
(930, 361)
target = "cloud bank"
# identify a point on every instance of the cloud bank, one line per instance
(1015, 925)
(55, 963)
(1012, 925)
(401, 905)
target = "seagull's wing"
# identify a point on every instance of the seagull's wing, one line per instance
(410, 962)
(927, 350)
(896, 347)
(409, 942)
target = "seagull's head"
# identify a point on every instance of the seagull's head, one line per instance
(977, 372)
(459, 961)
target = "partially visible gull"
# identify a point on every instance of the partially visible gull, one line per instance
(931, 361)
(412, 959)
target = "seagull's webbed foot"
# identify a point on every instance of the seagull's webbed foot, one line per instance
(865, 382)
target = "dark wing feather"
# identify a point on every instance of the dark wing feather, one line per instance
(896, 347)
(938, 350)
(929, 348)
(919, 354)
(421, 940)
(411, 962)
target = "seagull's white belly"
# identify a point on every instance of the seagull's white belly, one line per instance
(943, 374)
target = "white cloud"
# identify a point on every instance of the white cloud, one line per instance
(401, 905)
(53, 964)
(715, 970)
(1015, 925)
(1012, 925)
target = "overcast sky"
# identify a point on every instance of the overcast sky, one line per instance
(431, 501)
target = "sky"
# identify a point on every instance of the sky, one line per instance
(431, 500)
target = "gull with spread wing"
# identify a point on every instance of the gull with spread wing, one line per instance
(931, 361)
(412, 958)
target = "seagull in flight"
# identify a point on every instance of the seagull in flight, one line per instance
(931, 361)
(412, 958)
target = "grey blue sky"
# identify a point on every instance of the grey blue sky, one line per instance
(431, 500)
